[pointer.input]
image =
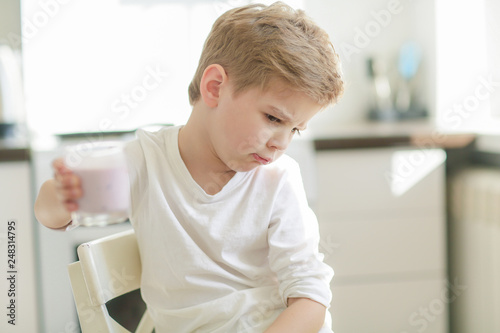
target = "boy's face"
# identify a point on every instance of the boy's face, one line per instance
(255, 127)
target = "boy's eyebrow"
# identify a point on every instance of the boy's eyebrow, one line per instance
(283, 115)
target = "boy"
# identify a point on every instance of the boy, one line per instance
(227, 240)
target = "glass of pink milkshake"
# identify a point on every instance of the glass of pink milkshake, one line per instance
(102, 168)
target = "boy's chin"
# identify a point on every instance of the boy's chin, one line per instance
(245, 167)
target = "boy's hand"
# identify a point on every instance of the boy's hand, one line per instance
(68, 185)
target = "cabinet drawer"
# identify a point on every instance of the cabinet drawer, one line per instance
(404, 307)
(383, 247)
(387, 179)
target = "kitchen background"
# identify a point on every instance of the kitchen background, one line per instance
(403, 173)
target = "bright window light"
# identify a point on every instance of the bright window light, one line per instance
(465, 84)
(97, 66)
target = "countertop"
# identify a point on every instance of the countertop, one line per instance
(420, 134)
(15, 147)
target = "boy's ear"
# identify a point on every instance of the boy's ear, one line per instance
(211, 81)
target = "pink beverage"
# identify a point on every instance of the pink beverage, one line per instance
(105, 183)
(105, 190)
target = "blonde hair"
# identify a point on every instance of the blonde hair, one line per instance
(256, 44)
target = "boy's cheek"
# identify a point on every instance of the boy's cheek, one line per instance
(247, 145)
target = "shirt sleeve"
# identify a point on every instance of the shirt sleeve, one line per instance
(293, 238)
(137, 173)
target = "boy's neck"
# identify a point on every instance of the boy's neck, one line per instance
(198, 154)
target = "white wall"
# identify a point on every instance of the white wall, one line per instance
(492, 8)
(10, 24)
(468, 75)
(363, 28)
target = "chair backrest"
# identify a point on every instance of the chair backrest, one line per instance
(109, 267)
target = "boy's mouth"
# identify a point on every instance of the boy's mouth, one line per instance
(261, 160)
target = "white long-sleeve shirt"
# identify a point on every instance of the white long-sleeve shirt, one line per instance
(225, 262)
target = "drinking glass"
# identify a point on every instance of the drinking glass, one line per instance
(102, 168)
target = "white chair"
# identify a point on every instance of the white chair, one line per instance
(108, 267)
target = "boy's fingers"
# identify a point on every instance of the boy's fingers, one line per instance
(70, 193)
(71, 205)
(68, 185)
(58, 163)
(60, 167)
(68, 180)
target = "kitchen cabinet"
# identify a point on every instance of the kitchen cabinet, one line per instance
(18, 282)
(386, 243)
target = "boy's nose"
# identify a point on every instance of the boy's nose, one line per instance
(279, 141)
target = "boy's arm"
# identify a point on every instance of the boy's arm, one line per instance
(302, 316)
(57, 197)
(293, 238)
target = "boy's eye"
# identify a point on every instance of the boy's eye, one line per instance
(273, 119)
